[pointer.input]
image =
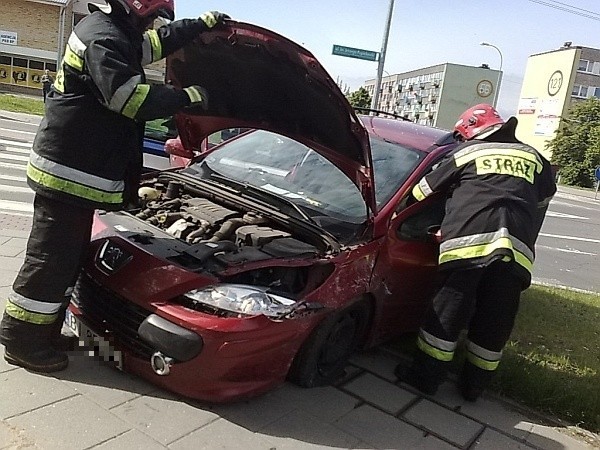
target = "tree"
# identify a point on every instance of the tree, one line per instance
(576, 147)
(359, 98)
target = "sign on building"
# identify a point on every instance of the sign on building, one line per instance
(8, 37)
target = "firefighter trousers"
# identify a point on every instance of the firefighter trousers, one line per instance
(485, 301)
(57, 244)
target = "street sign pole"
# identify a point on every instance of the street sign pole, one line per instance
(381, 62)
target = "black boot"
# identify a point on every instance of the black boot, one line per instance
(28, 345)
(45, 361)
(425, 373)
(473, 381)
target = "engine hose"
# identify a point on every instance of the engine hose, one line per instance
(227, 229)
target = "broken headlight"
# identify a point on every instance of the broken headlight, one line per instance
(242, 299)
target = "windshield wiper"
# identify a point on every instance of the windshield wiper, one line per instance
(244, 187)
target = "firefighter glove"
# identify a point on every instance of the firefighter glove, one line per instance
(213, 18)
(198, 96)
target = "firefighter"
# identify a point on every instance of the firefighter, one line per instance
(87, 154)
(498, 191)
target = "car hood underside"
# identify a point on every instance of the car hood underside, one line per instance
(258, 79)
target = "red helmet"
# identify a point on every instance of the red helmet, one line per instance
(477, 120)
(147, 8)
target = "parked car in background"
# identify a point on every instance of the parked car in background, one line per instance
(275, 254)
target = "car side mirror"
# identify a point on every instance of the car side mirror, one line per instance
(174, 147)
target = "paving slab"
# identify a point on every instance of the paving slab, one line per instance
(380, 393)
(163, 417)
(105, 385)
(257, 413)
(325, 403)
(492, 440)
(448, 424)
(22, 391)
(380, 430)
(300, 429)
(132, 439)
(75, 423)
(377, 361)
(487, 410)
(12, 437)
(222, 434)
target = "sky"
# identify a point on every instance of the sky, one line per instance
(422, 33)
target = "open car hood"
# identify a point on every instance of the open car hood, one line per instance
(258, 79)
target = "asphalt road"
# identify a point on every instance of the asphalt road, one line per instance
(568, 249)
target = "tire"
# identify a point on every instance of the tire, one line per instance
(324, 355)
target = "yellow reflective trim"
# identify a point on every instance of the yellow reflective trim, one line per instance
(436, 353)
(132, 106)
(27, 316)
(482, 363)
(418, 193)
(73, 188)
(73, 60)
(59, 82)
(464, 158)
(209, 19)
(156, 45)
(477, 251)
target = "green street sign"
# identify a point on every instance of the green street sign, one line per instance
(350, 52)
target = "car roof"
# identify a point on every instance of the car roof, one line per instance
(409, 134)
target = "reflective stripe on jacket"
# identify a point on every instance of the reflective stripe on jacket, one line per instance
(88, 149)
(499, 193)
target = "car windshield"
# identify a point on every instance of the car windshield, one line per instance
(302, 176)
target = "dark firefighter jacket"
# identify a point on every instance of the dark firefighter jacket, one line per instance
(500, 192)
(88, 148)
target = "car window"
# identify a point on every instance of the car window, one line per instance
(290, 169)
(427, 218)
(392, 165)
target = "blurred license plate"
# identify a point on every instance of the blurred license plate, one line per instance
(92, 343)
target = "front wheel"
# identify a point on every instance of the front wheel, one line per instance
(322, 358)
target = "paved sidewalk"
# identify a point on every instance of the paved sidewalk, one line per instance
(93, 406)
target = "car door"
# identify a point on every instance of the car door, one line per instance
(405, 272)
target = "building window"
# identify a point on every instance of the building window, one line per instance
(597, 92)
(579, 91)
(585, 65)
(23, 72)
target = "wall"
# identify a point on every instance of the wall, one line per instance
(463, 87)
(545, 96)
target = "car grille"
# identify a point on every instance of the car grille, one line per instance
(111, 315)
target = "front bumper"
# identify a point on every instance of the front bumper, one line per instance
(212, 359)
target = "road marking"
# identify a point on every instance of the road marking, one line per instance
(572, 238)
(13, 166)
(16, 206)
(7, 188)
(12, 178)
(22, 151)
(14, 157)
(566, 250)
(12, 130)
(14, 143)
(565, 216)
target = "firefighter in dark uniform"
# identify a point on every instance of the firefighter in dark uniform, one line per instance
(499, 190)
(87, 155)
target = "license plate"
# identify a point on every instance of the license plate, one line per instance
(92, 343)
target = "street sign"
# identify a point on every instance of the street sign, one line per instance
(597, 173)
(350, 52)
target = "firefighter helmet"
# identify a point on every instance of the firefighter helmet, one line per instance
(148, 8)
(477, 120)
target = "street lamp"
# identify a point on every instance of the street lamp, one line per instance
(487, 44)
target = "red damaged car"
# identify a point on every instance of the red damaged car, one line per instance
(275, 254)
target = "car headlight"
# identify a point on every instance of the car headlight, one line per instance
(238, 298)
